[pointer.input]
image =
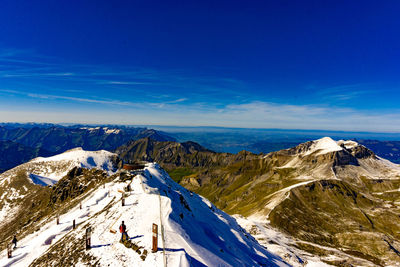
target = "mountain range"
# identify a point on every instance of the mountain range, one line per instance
(320, 202)
(336, 199)
(22, 142)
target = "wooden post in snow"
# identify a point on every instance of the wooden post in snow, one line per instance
(73, 224)
(58, 220)
(88, 236)
(80, 205)
(9, 250)
(155, 238)
(123, 201)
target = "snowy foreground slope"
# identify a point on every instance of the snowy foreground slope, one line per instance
(195, 232)
(17, 183)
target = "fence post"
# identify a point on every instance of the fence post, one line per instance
(155, 238)
(73, 224)
(88, 236)
(9, 250)
(58, 220)
(123, 201)
(80, 205)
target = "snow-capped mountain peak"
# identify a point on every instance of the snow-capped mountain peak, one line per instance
(323, 146)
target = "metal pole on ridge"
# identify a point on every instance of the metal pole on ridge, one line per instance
(155, 238)
(9, 250)
(88, 236)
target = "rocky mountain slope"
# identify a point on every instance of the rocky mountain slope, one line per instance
(336, 199)
(24, 192)
(386, 149)
(193, 232)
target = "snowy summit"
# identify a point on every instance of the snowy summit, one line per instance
(51, 169)
(323, 146)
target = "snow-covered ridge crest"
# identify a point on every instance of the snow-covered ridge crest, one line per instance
(105, 129)
(58, 166)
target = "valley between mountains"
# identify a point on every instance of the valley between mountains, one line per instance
(321, 203)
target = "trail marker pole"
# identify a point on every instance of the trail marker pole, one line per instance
(9, 251)
(155, 238)
(88, 236)
(73, 224)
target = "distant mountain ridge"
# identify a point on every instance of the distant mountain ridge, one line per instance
(21, 142)
(13, 154)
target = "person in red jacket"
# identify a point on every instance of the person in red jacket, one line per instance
(122, 230)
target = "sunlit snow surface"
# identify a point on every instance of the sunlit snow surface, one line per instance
(323, 146)
(196, 233)
(47, 171)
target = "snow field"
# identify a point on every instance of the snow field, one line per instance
(50, 167)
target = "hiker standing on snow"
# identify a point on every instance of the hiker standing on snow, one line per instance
(122, 230)
(14, 241)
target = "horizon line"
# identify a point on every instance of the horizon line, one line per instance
(69, 124)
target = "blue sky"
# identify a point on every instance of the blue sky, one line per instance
(331, 65)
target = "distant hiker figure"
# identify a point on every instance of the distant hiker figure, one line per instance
(122, 230)
(14, 241)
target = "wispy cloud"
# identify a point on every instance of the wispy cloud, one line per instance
(172, 97)
(343, 92)
(120, 78)
(125, 82)
(20, 75)
(250, 115)
(87, 100)
(113, 102)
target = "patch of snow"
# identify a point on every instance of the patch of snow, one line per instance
(105, 129)
(389, 164)
(279, 196)
(40, 180)
(112, 131)
(278, 242)
(348, 144)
